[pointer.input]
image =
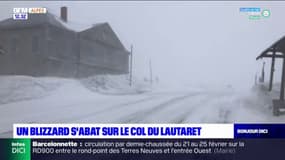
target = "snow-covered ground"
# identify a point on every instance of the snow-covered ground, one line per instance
(109, 99)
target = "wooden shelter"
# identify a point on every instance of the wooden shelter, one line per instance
(276, 50)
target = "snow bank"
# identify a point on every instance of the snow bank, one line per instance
(115, 84)
(19, 88)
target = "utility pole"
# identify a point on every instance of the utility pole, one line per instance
(150, 71)
(131, 66)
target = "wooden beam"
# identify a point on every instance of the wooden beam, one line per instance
(270, 56)
(272, 70)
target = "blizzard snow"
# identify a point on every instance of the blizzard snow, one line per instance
(110, 99)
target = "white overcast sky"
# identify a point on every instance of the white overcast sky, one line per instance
(188, 42)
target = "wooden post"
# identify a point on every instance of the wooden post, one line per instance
(131, 66)
(272, 69)
(263, 73)
(282, 81)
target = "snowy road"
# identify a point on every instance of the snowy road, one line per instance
(73, 103)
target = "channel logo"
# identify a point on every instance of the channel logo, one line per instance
(18, 148)
(22, 13)
(255, 13)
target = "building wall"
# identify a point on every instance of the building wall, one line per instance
(97, 48)
(108, 59)
(23, 54)
(62, 52)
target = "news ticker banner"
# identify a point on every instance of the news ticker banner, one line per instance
(150, 149)
(144, 141)
(149, 131)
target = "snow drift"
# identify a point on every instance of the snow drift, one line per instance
(20, 88)
(115, 84)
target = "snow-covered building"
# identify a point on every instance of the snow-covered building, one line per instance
(45, 45)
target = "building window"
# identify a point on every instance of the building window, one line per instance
(35, 44)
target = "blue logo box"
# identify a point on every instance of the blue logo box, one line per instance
(259, 130)
(250, 9)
